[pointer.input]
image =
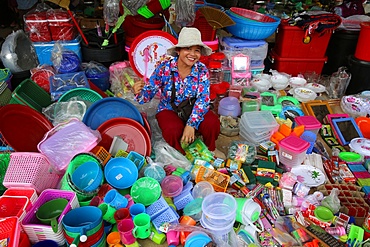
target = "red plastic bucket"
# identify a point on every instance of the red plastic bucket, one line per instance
(362, 48)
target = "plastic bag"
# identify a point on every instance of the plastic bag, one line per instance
(332, 201)
(111, 12)
(64, 60)
(242, 151)
(168, 155)
(357, 105)
(17, 52)
(97, 73)
(41, 75)
(61, 25)
(121, 78)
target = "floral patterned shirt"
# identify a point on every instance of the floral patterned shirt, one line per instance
(196, 84)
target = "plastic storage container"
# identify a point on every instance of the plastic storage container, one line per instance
(310, 123)
(292, 151)
(229, 106)
(290, 42)
(44, 49)
(255, 49)
(294, 66)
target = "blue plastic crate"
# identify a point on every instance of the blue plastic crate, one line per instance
(137, 158)
(168, 216)
(44, 49)
(157, 208)
(182, 200)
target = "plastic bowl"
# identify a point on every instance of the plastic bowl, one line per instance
(219, 208)
(229, 106)
(251, 15)
(279, 82)
(297, 82)
(120, 172)
(171, 186)
(146, 190)
(202, 189)
(88, 176)
(261, 84)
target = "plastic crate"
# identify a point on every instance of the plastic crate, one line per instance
(168, 216)
(290, 42)
(157, 208)
(295, 66)
(218, 180)
(30, 94)
(62, 83)
(182, 200)
(37, 231)
(30, 193)
(137, 158)
(44, 49)
(102, 154)
(30, 170)
(10, 229)
(13, 206)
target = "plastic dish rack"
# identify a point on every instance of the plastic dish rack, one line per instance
(10, 229)
(30, 170)
(37, 231)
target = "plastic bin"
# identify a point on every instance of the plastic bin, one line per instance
(61, 25)
(255, 49)
(258, 121)
(292, 151)
(44, 49)
(10, 229)
(290, 42)
(294, 66)
(309, 122)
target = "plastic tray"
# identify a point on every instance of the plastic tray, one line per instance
(168, 216)
(182, 200)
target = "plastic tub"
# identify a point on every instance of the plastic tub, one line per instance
(220, 231)
(219, 208)
(258, 121)
(202, 189)
(310, 123)
(292, 151)
(229, 106)
(171, 186)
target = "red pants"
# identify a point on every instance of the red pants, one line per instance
(172, 128)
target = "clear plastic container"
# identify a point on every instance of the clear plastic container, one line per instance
(216, 74)
(219, 208)
(171, 186)
(292, 151)
(202, 189)
(310, 123)
(259, 121)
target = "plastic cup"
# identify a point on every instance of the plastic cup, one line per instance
(136, 209)
(104, 189)
(122, 213)
(96, 201)
(173, 238)
(115, 199)
(108, 212)
(202, 189)
(247, 211)
(187, 220)
(142, 226)
(113, 238)
(125, 228)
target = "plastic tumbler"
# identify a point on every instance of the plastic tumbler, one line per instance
(113, 239)
(108, 212)
(115, 199)
(142, 226)
(125, 228)
(122, 213)
(136, 209)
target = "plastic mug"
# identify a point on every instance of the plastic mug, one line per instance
(136, 209)
(122, 213)
(115, 199)
(96, 201)
(108, 212)
(142, 226)
(125, 228)
(113, 239)
(173, 237)
(130, 201)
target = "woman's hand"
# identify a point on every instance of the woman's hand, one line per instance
(138, 86)
(188, 135)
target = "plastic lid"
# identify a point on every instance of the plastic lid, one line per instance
(259, 120)
(229, 103)
(361, 146)
(324, 214)
(214, 65)
(218, 56)
(198, 241)
(193, 207)
(295, 144)
(309, 122)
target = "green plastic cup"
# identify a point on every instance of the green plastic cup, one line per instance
(142, 226)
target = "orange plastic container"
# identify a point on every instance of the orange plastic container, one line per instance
(362, 48)
(218, 180)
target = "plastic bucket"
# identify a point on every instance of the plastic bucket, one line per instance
(219, 208)
(360, 80)
(220, 231)
(362, 49)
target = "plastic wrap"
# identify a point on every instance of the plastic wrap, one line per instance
(65, 60)
(18, 53)
(121, 78)
(66, 140)
(111, 12)
(332, 201)
(60, 112)
(357, 105)
(62, 83)
(36, 24)
(242, 151)
(167, 155)
(61, 25)
(98, 74)
(41, 75)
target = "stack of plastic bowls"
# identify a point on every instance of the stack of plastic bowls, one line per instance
(218, 214)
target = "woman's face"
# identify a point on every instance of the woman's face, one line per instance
(189, 55)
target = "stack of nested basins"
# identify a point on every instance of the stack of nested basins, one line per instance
(257, 126)
(218, 214)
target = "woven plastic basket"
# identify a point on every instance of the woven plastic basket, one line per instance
(30, 170)
(10, 229)
(13, 206)
(218, 180)
(251, 15)
(86, 94)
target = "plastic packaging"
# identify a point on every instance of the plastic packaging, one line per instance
(41, 75)
(97, 73)
(64, 60)
(61, 25)
(111, 12)
(60, 112)
(166, 154)
(332, 201)
(36, 24)
(338, 83)
(18, 53)
(242, 151)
